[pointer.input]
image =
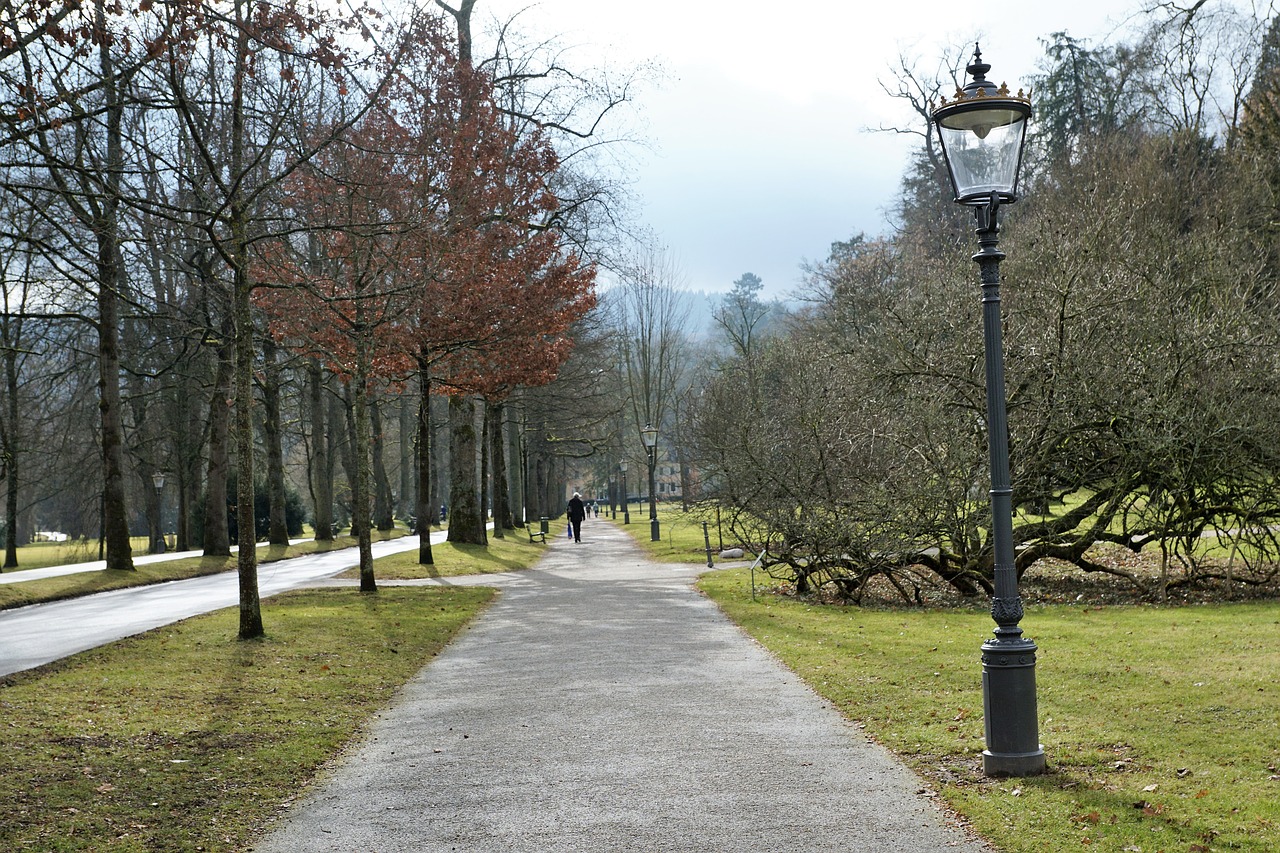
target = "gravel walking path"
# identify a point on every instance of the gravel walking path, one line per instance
(603, 704)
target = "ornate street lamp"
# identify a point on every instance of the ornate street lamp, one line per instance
(626, 507)
(982, 133)
(649, 435)
(157, 480)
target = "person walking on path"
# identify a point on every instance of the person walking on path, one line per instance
(577, 512)
(601, 703)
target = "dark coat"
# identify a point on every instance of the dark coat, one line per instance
(577, 511)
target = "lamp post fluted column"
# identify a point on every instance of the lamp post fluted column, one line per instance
(1009, 659)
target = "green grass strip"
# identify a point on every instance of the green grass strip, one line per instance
(91, 581)
(185, 739)
(681, 534)
(1161, 726)
(511, 553)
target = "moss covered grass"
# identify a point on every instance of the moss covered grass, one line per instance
(186, 739)
(1161, 725)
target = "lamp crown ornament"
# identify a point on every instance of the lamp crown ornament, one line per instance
(981, 87)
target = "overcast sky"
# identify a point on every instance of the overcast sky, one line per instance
(760, 153)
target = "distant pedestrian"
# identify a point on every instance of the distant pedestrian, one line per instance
(444, 513)
(577, 512)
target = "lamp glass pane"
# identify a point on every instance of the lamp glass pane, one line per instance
(983, 148)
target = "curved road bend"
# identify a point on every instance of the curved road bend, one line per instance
(40, 633)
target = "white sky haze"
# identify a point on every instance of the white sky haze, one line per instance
(759, 152)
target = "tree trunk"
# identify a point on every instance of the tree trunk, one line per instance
(182, 541)
(498, 458)
(278, 528)
(11, 440)
(217, 537)
(497, 485)
(439, 454)
(345, 448)
(115, 520)
(383, 508)
(484, 465)
(408, 500)
(539, 491)
(251, 626)
(518, 473)
(426, 510)
(321, 460)
(360, 516)
(11, 512)
(465, 524)
(115, 512)
(187, 445)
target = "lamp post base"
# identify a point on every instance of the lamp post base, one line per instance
(1009, 709)
(654, 534)
(1026, 764)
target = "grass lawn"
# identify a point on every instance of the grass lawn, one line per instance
(1161, 725)
(100, 580)
(511, 553)
(185, 739)
(681, 532)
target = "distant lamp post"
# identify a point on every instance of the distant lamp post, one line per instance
(982, 133)
(613, 495)
(158, 546)
(649, 435)
(626, 507)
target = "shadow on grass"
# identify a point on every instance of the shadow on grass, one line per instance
(452, 559)
(490, 561)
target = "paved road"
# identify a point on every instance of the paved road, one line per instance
(602, 704)
(40, 633)
(20, 575)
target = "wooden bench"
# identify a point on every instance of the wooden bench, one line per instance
(535, 535)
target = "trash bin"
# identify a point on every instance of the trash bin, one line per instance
(542, 523)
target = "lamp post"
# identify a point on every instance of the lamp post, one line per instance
(158, 546)
(649, 435)
(982, 133)
(613, 495)
(626, 507)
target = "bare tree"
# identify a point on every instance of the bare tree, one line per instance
(654, 341)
